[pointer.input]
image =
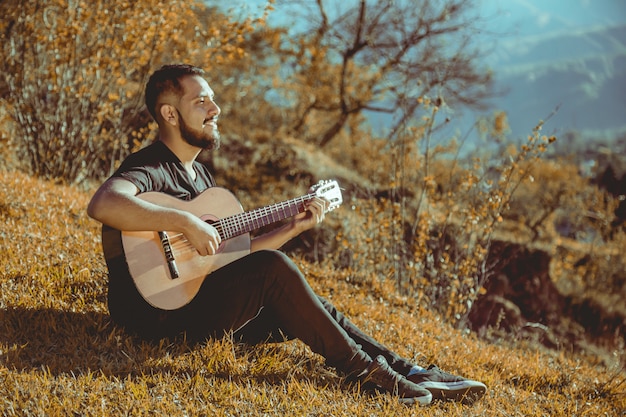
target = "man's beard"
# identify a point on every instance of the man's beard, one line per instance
(201, 139)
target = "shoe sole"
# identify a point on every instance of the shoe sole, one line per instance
(368, 387)
(465, 392)
(423, 400)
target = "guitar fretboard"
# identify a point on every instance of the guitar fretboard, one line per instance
(241, 223)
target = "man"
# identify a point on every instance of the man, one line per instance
(259, 297)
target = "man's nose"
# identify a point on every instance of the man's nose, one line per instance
(214, 109)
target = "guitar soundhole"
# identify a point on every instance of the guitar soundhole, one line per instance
(214, 221)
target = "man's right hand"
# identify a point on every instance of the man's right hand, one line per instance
(202, 236)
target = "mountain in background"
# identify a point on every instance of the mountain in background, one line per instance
(566, 55)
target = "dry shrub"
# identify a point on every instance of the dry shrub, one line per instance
(593, 276)
(459, 247)
(557, 200)
(74, 73)
(368, 156)
(7, 146)
(431, 231)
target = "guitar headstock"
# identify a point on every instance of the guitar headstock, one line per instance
(329, 190)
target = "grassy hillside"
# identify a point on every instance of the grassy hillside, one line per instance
(61, 355)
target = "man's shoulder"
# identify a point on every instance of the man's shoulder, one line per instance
(151, 156)
(156, 151)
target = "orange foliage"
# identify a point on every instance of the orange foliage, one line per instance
(75, 72)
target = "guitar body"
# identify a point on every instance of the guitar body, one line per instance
(146, 261)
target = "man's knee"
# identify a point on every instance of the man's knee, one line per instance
(274, 262)
(270, 257)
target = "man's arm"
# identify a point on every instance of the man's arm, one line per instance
(313, 215)
(116, 204)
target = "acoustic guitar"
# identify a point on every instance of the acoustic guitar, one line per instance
(165, 267)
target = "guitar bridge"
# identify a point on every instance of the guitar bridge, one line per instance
(169, 256)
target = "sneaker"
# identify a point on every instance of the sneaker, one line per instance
(380, 374)
(448, 387)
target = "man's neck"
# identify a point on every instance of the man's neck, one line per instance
(185, 152)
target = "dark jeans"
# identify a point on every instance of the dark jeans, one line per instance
(265, 297)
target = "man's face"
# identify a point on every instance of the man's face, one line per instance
(199, 125)
(204, 138)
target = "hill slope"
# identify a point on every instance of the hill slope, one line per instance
(60, 354)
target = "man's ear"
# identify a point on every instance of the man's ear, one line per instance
(168, 113)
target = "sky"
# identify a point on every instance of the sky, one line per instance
(538, 17)
(546, 54)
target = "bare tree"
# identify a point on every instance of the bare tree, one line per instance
(382, 57)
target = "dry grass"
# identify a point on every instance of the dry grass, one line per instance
(60, 355)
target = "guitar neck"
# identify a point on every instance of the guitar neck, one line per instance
(239, 224)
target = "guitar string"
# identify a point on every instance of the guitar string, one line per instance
(226, 228)
(234, 226)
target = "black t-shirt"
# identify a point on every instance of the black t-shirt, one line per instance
(154, 168)
(157, 168)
